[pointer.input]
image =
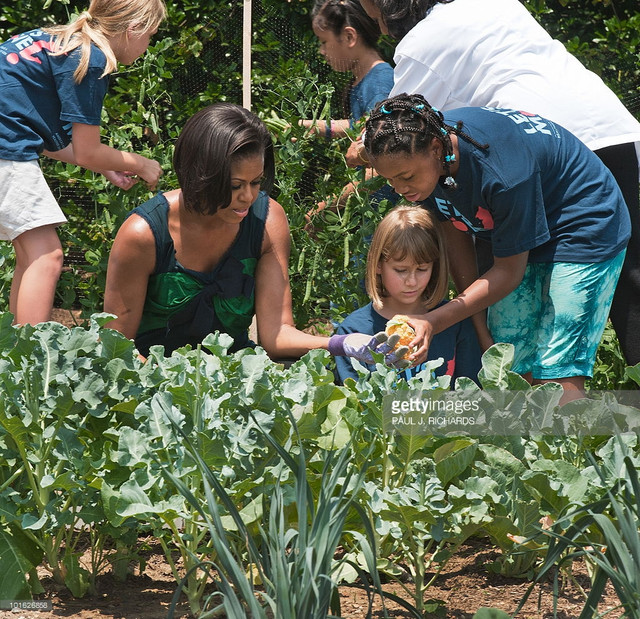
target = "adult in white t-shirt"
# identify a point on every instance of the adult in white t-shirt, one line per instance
(459, 53)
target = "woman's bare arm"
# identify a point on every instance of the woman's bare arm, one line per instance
(131, 263)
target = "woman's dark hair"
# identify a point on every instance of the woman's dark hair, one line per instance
(210, 142)
(401, 15)
(406, 124)
(335, 15)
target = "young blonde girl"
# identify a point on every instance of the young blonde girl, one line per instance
(53, 82)
(408, 273)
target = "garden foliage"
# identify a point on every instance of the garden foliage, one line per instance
(97, 449)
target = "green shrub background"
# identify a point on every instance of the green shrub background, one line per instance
(196, 59)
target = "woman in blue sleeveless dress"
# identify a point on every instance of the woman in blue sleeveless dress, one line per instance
(208, 256)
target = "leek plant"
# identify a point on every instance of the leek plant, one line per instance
(289, 569)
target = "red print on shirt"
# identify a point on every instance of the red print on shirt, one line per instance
(484, 217)
(28, 53)
(451, 366)
(460, 225)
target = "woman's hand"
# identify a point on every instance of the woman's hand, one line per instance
(361, 347)
(356, 156)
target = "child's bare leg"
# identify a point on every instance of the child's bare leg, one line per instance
(38, 266)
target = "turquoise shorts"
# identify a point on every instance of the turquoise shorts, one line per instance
(556, 316)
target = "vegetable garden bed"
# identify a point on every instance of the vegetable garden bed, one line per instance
(232, 464)
(468, 584)
(87, 431)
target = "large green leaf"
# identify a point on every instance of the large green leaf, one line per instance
(499, 458)
(453, 458)
(250, 513)
(15, 427)
(556, 483)
(335, 431)
(133, 447)
(18, 555)
(411, 517)
(115, 345)
(496, 365)
(410, 443)
(633, 373)
(76, 577)
(7, 332)
(131, 500)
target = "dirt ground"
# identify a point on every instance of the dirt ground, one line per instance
(67, 317)
(466, 585)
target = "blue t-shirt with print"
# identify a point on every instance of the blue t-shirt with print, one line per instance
(457, 346)
(536, 188)
(39, 99)
(375, 86)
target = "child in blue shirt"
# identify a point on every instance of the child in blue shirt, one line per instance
(348, 41)
(52, 84)
(554, 214)
(407, 273)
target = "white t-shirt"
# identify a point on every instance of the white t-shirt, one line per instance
(494, 53)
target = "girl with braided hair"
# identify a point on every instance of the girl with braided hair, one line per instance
(53, 82)
(553, 213)
(472, 53)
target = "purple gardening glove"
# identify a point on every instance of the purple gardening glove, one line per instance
(360, 346)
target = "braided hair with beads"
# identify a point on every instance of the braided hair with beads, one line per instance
(406, 124)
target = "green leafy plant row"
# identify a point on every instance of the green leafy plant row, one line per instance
(95, 445)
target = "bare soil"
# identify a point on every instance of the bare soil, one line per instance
(466, 585)
(67, 317)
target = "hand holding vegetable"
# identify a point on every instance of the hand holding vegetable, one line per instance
(360, 346)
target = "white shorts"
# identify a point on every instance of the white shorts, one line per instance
(26, 202)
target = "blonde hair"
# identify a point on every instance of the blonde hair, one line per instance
(408, 232)
(101, 21)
